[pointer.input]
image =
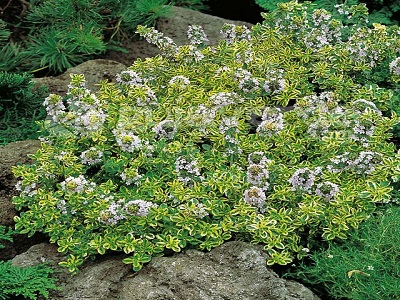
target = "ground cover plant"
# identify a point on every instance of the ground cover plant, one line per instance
(383, 12)
(278, 135)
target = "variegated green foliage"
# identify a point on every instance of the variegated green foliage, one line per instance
(190, 148)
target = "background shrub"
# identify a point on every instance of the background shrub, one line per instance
(53, 36)
(20, 106)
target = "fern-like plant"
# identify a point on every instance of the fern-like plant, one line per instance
(28, 282)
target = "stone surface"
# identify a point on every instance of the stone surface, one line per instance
(176, 28)
(94, 70)
(234, 271)
(12, 155)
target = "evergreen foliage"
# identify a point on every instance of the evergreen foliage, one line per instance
(20, 106)
(63, 33)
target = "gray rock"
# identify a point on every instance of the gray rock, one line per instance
(234, 271)
(94, 70)
(176, 28)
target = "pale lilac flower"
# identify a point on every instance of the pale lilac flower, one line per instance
(223, 99)
(229, 124)
(233, 33)
(255, 197)
(127, 140)
(91, 156)
(274, 82)
(187, 170)
(196, 35)
(365, 162)
(165, 129)
(257, 175)
(147, 96)
(77, 185)
(327, 190)
(90, 121)
(194, 209)
(303, 179)
(179, 81)
(247, 83)
(129, 77)
(139, 207)
(271, 122)
(62, 206)
(394, 66)
(130, 178)
(28, 190)
(54, 107)
(114, 213)
(165, 44)
(362, 131)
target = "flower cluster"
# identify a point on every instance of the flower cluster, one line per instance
(304, 179)
(362, 131)
(91, 156)
(364, 163)
(55, 107)
(126, 139)
(121, 209)
(255, 196)
(29, 190)
(179, 81)
(187, 170)
(229, 128)
(203, 116)
(274, 82)
(139, 207)
(223, 99)
(233, 33)
(193, 208)
(165, 129)
(196, 35)
(77, 185)
(165, 44)
(327, 190)
(247, 83)
(129, 77)
(394, 66)
(131, 176)
(271, 122)
(323, 30)
(85, 113)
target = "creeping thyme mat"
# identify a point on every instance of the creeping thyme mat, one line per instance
(190, 147)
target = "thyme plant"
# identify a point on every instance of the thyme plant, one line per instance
(275, 135)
